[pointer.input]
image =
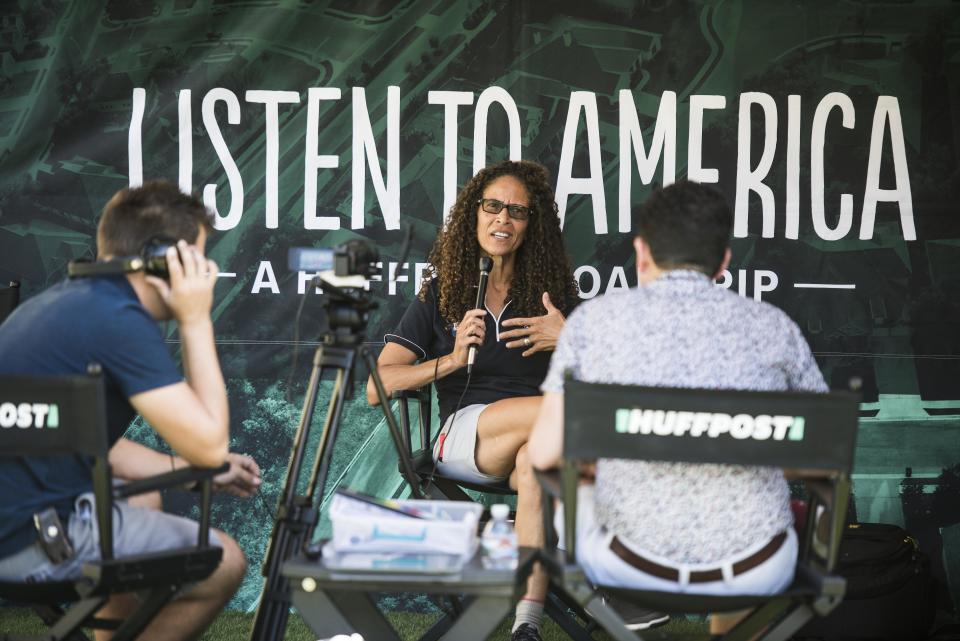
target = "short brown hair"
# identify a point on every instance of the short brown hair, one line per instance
(157, 208)
(686, 225)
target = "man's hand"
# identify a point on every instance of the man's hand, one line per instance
(189, 294)
(243, 477)
(536, 334)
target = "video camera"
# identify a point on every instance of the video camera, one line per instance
(350, 259)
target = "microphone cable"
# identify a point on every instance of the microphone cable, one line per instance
(485, 266)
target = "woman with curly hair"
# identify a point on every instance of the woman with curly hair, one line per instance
(506, 212)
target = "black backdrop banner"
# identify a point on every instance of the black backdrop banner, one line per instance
(833, 129)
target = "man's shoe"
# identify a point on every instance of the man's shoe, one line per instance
(526, 632)
(636, 617)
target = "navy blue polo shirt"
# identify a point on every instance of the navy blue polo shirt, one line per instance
(61, 331)
(498, 372)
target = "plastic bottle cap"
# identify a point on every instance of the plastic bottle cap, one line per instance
(500, 511)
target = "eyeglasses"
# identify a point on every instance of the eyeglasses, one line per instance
(494, 206)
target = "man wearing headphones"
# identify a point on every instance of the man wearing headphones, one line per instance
(112, 320)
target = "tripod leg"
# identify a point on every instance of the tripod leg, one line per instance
(294, 518)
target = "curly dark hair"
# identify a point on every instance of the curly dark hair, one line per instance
(541, 263)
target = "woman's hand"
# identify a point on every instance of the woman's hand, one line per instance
(536, 334)
(470, 331)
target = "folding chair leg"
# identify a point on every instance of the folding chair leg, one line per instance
(49, 614)
(136, 622)
(565, 617)
(769, 620)
(788, 625)
(445, 622)
(438, 629)
(610, 621)
(74, 617)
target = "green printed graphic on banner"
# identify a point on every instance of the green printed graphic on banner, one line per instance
(833, 131)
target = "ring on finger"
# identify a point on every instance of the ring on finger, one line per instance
(526, 341)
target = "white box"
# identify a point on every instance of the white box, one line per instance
(451, 527)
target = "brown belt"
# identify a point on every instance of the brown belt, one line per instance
(696, 576)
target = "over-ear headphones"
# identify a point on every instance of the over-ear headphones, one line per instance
(152, 260)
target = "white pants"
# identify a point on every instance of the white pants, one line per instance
(605, 568)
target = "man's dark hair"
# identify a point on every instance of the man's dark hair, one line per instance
(685, 225)
(157, 208)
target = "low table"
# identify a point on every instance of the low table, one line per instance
(336, 602)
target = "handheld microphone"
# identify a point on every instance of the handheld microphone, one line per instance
(486, 264)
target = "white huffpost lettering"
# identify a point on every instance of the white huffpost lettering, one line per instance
(780, 426)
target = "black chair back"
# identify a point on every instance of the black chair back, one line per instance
(44, 416)
(781, 429)
(61, 415)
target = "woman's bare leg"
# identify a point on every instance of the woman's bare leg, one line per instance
(503, 427)
(502, 432)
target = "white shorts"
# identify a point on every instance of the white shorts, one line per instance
(605, 568)
(459, 442)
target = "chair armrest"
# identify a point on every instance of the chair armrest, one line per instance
(550, 482)
(418, 394)
(177, 478)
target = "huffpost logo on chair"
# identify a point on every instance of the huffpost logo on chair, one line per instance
(709, 424)
(26, 415)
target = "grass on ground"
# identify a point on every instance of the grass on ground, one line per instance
(235, 626)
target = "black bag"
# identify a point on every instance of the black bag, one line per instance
(890, 592)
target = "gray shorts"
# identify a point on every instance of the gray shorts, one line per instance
(459, 441)
(136, 530)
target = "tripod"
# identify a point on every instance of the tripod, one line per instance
(348, 310)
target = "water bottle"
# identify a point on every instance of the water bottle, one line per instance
(499, 540)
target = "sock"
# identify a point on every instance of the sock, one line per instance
(528, 611)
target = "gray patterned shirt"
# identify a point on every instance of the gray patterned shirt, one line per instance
(683, 331)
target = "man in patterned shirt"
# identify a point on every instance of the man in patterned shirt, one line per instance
(682, 331)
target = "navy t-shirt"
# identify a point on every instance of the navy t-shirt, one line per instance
(498, 372)
(61, 331)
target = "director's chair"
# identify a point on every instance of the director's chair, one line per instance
(608, 421)
(563, 610)
(74, 423)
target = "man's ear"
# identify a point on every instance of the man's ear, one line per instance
(643, 254)
(724, 264)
